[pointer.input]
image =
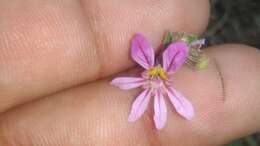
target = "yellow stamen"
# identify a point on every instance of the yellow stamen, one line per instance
(163, 74)
(158, 71)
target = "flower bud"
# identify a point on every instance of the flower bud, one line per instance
(202, 63)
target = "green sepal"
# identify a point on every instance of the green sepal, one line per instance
(191, 38)
(202, 63)
(167, 39)
(193, 53)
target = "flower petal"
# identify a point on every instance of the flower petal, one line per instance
(142, 52)
(160, 111)
(174, 56)
(181, 104)
(198, 42)
(127, 82)
(139, 106)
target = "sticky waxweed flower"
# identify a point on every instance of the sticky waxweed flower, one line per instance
(156, 80)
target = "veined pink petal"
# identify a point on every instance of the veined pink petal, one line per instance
(142, 52)
(160, 111)
(127, 82)
(174, 56)
(139, 106)
(181, 104)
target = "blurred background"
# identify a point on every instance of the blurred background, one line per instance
(236, 21)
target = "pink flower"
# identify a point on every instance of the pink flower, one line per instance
(156, 80)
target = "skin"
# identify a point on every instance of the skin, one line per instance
(58, 57)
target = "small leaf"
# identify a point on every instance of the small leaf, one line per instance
(168, 39)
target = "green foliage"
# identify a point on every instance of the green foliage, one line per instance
(247, 141)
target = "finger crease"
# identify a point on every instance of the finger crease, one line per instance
(92, 22)
(221, 79)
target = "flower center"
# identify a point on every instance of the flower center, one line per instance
(158, 71)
